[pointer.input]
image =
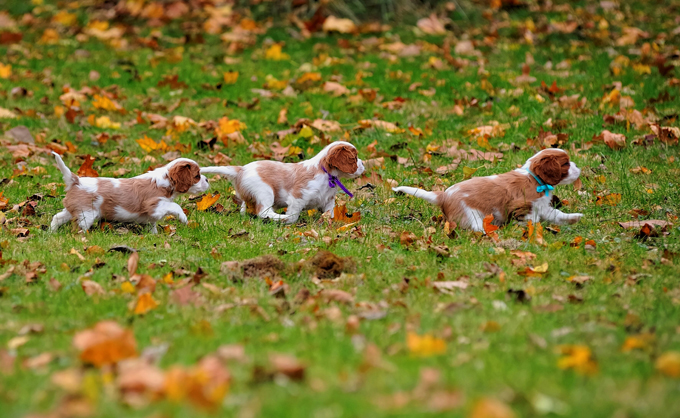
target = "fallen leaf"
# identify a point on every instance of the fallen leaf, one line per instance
(275, 53)
(640, 224)
(489, 228)
(326, 125)
(287, 365)
(668, 363)
(536, 271)
(92, 288)
(491, 408)
(104, 344)
(230, 77)
(612, 140)
(578, 358)
(381, 124)
(340, 215)
(425, 345)
(431, 25)
(144, 304)
(86, 169)
(207, 201)
(334, 24)
(468, 172)
(336, 89)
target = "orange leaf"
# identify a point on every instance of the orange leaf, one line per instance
(340, 215)
(579, 358)
(145, 303)
(105, 343)
(207, 201)
(3, 201)
(86, 169)
(489, 228)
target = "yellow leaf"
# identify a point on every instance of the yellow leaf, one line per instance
(100, 25)
(207, 201)
(274, 84)
(5, 70)
(577, 357)
(669, 363)
(149, 144)
(274, 53)
(103, 102)
(543, 268)
(642, 69)
(65, 18)
(127, 287)
(145, 303)
(228, 126)
(425, 345)
(230, 77)
(59, 111)
(105, 122)
(468, 172)
(314, 77)
(306, 132)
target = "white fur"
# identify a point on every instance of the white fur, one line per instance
(92, 213)
(316, 195)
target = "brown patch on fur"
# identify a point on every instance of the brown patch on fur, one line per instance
(292, 178)
(327, 265)
(343, 158)
(183, 175)
(552, 166)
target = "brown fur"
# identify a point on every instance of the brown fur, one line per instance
(508, 195)
(342, 158)
(184, 175)
(291, 177)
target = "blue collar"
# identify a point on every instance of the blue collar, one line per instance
(542, 186)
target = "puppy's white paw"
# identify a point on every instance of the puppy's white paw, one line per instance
(574, 217)
(183, 218)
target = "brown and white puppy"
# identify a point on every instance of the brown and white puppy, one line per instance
(525, 191)
(143, 199)
(264, 186)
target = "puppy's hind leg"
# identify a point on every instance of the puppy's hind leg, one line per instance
(86, 218)
(59, 219)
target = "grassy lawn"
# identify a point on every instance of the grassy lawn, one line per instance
(583, 322)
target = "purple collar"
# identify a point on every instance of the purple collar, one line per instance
(335, 181)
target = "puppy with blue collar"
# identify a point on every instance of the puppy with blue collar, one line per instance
(525, 193)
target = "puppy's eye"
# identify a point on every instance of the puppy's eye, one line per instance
(198, 177)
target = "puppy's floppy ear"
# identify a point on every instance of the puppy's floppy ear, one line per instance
(343, 158)
(181, 177)
(548, 169)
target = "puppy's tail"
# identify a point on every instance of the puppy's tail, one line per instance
(432, 197)
(230, 171)
(69, 177)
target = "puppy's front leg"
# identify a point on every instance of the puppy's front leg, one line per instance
(330, 205)
(170, 208)
(556, 216)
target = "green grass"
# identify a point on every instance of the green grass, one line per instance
(516, 364)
